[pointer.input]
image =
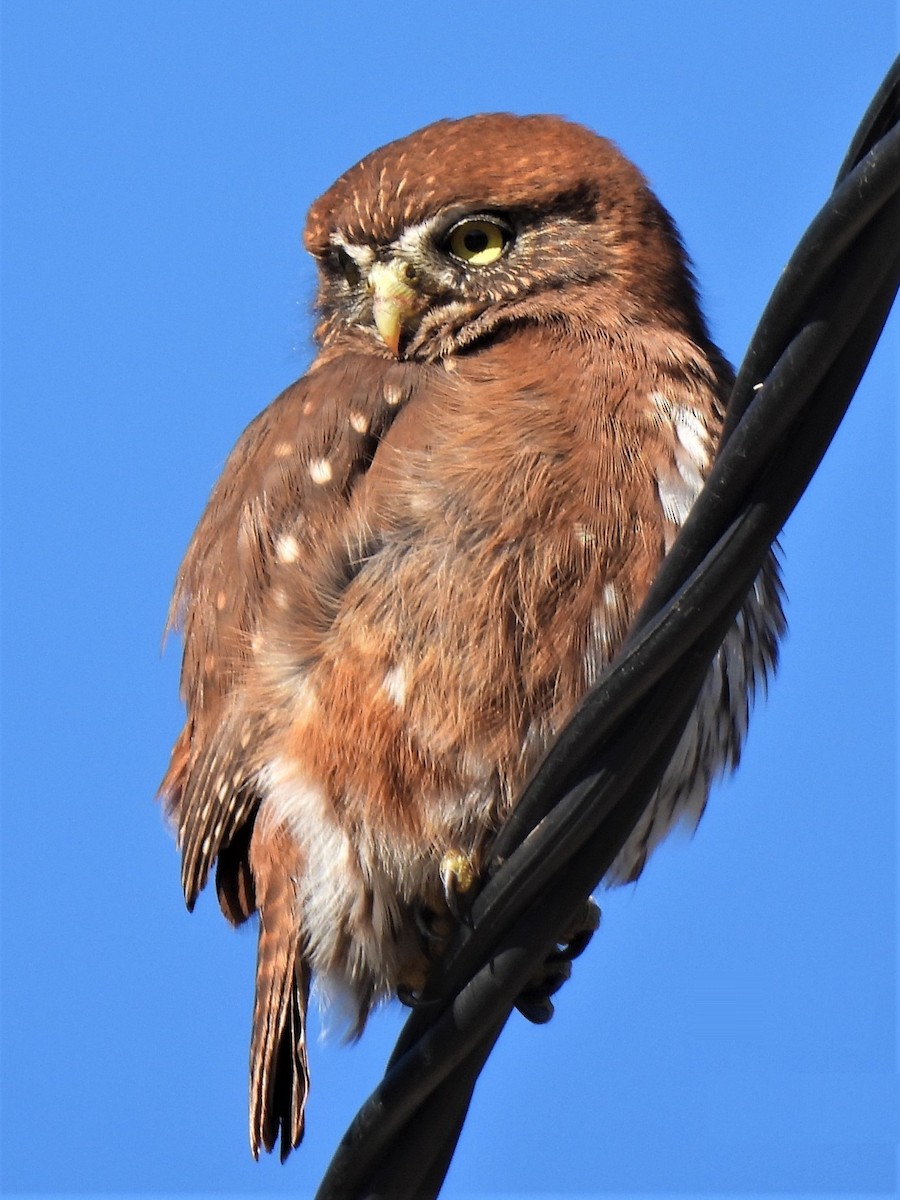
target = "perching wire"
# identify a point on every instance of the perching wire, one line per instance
(800, 372)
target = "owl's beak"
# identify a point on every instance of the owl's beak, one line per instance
(394, 301)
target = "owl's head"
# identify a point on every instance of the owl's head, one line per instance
(465, 228)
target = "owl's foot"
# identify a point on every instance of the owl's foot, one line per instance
(534, 1001)
(434, 928)
(458, 877)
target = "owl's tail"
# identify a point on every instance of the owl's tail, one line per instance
(279, 1071)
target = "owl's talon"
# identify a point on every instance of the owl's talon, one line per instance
(407, 996)
(410, 998)
(458, 878)
(575, 940)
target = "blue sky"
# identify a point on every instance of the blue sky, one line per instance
(732, 1029)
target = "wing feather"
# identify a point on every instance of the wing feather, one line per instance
(283, 491)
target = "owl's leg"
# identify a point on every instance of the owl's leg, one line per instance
(534, 1000)
(435, 928)
(435, 922)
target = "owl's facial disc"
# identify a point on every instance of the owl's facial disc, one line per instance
(402, 288)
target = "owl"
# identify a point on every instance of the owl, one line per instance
(420, 557)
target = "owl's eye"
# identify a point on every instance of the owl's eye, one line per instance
(347, 266)
(478, 241)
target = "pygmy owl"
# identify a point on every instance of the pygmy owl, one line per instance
(423, 553)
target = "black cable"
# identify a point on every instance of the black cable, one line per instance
(809, 351)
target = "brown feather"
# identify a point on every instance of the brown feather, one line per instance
(423, 553)
(279, 1073)
(235, 885)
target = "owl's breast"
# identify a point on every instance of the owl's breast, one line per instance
(475, 580)
(483, 571)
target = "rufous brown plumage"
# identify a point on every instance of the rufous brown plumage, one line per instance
(424, 552)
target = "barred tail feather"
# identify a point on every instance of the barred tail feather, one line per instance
(279, 1072)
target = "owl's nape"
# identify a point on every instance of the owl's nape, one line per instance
(421, 556)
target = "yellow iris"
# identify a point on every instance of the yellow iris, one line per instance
(477, 242)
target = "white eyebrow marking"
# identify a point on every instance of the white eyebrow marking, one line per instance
(359, 422)
(415, 236)
(363, 256)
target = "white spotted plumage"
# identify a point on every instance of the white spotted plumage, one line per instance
(422, 555)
